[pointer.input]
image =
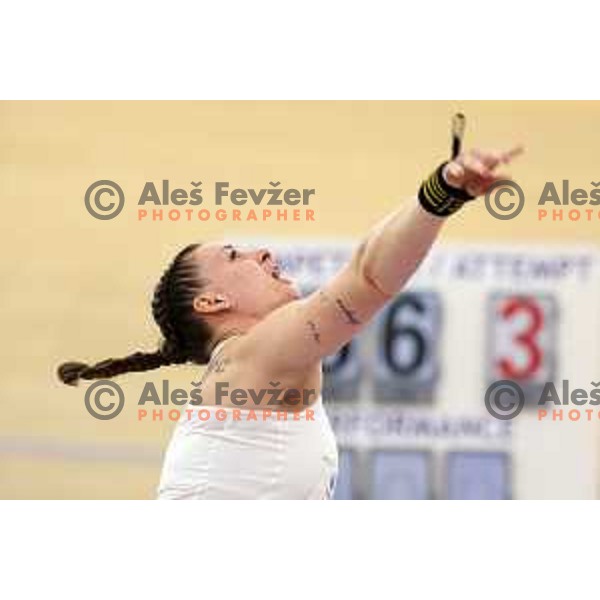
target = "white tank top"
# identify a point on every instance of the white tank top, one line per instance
(222, 458)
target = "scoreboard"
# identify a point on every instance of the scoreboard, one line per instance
(406, 395)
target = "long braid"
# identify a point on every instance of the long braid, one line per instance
(186, 336)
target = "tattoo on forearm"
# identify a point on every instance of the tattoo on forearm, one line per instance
(348, 312)
(314, 330)
(375, 286)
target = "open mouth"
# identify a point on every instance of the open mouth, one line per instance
(274, 269)
(276, 274)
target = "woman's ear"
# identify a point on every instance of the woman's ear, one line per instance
(210, 303)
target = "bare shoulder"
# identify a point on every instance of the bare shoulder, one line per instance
(244, 359)
(262, 339)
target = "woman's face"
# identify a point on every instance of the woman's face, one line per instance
(246, 281)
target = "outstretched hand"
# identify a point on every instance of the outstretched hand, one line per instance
(477, 170)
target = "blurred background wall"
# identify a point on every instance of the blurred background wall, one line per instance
(78, 288)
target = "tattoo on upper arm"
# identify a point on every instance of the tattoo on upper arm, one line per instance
(314, 330)
(348, 312)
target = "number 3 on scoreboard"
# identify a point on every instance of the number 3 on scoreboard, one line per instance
(522, 334)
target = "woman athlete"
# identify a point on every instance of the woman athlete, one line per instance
(234, 310)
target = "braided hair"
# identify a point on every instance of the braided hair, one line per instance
(186, 337)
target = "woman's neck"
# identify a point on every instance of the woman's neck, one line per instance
(223, 337)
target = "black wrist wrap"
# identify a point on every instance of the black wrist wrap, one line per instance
(439, 198)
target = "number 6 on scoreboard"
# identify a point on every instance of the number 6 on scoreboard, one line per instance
(408, 332)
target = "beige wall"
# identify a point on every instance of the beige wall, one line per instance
(75, 287)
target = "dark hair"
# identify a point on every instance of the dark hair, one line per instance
(186, 337)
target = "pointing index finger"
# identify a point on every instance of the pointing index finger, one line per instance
(511, 154)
